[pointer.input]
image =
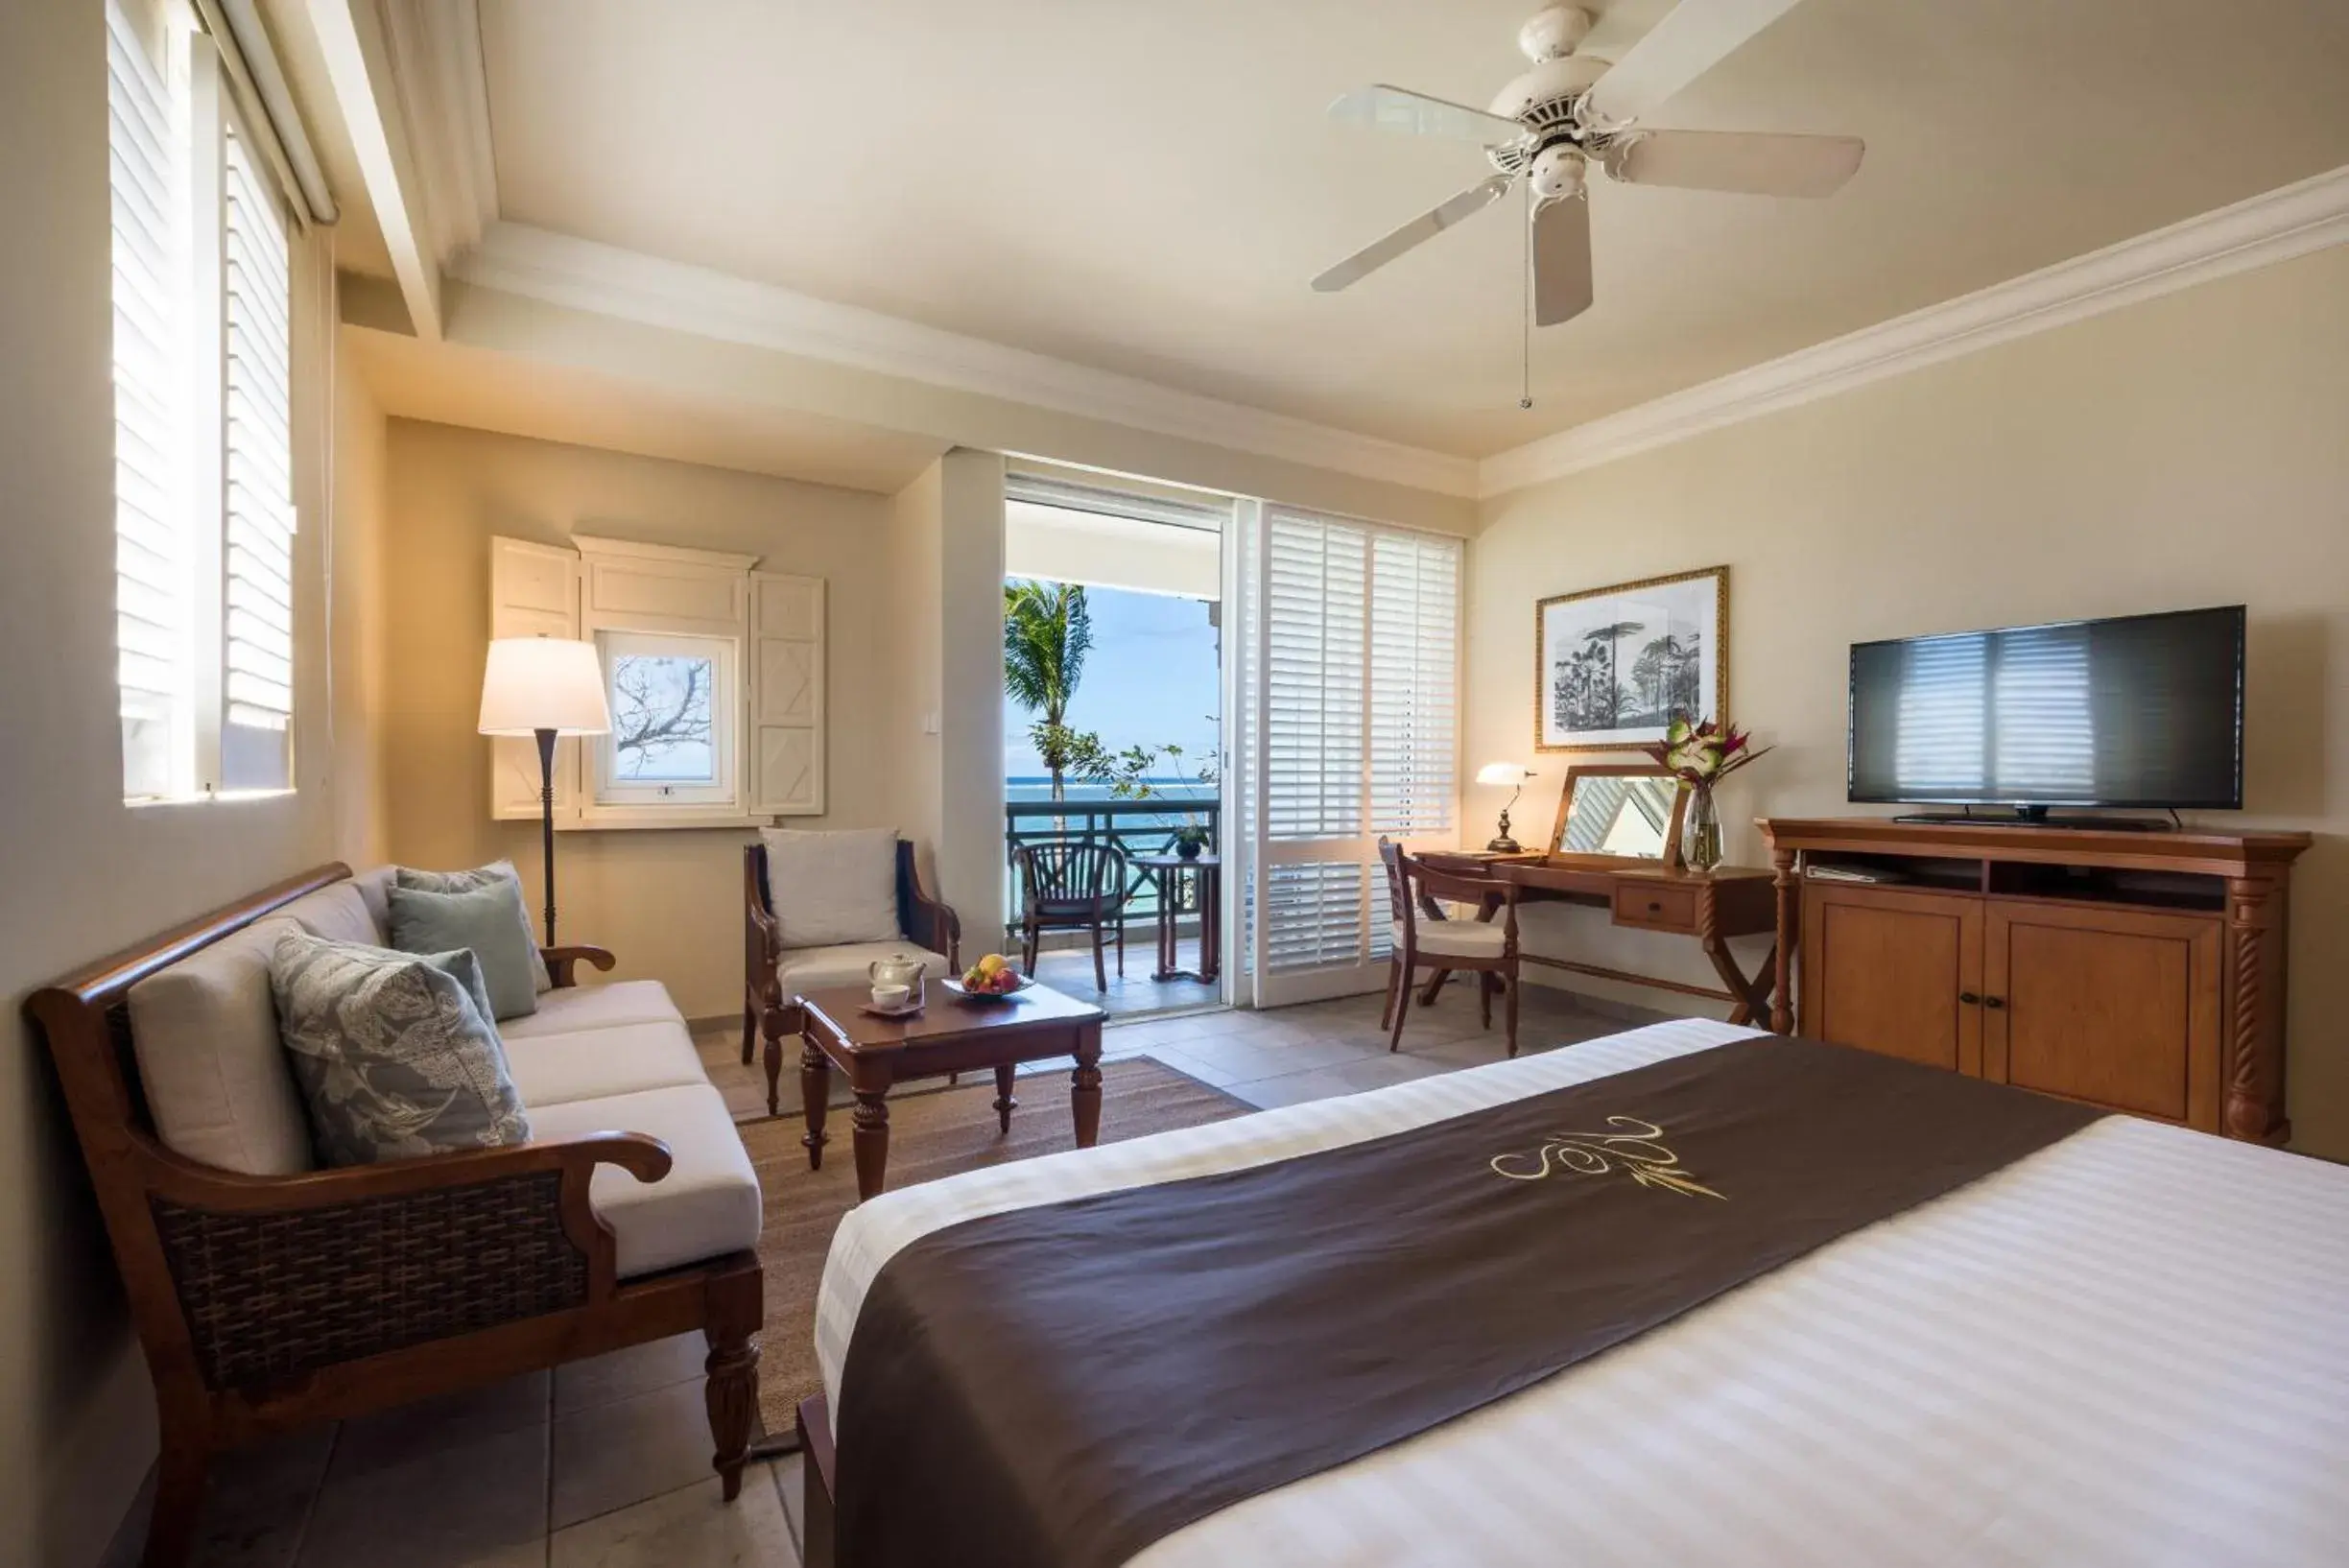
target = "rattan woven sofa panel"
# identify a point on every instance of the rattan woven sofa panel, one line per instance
(269, 1301)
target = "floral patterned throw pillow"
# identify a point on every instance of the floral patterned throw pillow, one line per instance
(394, 1054)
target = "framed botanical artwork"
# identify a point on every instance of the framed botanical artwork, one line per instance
(1613, 666)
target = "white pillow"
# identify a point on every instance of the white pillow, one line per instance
(827, 888)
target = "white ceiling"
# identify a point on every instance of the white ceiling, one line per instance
(1145, 188)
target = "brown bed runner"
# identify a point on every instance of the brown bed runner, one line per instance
(1060, 1387)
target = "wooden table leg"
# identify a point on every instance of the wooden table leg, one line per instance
(773, 1058)
(1211, 925)
(1787, 886)
(871, 1142)
(1754, 995)
(1005, 1104)
(815, 1094)
(1084, 1087)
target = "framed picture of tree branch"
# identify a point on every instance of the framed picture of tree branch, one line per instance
(1612, 666)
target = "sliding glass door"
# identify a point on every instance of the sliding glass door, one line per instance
(1349, 730)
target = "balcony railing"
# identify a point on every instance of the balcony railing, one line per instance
(1138, 827)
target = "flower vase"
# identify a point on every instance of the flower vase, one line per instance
(1701, 836)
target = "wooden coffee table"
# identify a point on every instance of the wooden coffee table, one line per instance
(948, 1036)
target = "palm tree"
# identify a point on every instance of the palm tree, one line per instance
(1047, 633)
(1611, 635)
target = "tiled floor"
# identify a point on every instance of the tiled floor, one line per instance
(604, 1463)
(1071, 970)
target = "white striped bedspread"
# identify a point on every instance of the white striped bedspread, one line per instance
(2130, 1348)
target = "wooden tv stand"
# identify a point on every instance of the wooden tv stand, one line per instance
(2140, 972)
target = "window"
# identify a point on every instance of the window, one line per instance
(204, 512)
(669, 742)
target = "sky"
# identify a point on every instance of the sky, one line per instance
(1151, 678)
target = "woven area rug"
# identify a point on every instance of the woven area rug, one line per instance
(931, 1136)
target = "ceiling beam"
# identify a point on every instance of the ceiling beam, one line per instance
(359, 66)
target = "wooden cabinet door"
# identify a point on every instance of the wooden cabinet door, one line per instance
(1889, 969)
(2115, 1006)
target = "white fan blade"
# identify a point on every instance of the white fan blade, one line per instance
(1391, 108)
(1757, 163)
(1419, 231)
(1562, 260)
(1691, 39)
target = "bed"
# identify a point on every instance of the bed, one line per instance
(2130, 1348)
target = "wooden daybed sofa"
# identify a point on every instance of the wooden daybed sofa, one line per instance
(271, 1299)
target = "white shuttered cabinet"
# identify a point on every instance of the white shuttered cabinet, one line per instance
(714, 672)
(1350, 731)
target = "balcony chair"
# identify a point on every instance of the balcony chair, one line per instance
(1071, 886)
(1423, 937)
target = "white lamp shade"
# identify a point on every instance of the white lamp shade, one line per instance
(535, 683)
(1502, 773)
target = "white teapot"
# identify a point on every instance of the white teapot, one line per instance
(905, 971)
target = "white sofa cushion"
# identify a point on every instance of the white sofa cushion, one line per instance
(594, 1064)
(826, 888)
(809, 968)
(340, 914)
(707, 1204)
(1455, 938)
(567, 1009)
(214, 1070)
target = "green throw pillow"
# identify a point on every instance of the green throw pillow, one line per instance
(497, 870)
(484, 920)
(393, 1057)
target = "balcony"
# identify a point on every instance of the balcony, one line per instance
(1137, 827)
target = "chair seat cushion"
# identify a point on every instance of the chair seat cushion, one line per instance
(1455, 938)
(707, 1204)
(810, 968)
(566, 1010)
(597, 1063)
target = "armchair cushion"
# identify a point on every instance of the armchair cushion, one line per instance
(340, 914)
(826, 888)
(407, 876)
(851, 963)
(706, 1205)
(210, 1062)
(487, 919)
(557, 1069)
(571, 1008)
(393, 1055)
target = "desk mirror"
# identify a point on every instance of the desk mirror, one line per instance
(1632, 810)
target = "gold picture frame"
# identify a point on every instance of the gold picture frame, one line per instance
(1579, 703)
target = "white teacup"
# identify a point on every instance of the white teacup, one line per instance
(892, 996)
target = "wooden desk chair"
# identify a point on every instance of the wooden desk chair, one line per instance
(1071, 886)
(1424, 939)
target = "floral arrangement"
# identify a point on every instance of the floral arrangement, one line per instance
(1703, 754)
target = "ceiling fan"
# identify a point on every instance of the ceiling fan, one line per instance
(1570, 111)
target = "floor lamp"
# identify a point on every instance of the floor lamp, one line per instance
(546, 687)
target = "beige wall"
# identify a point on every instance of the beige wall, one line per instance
(356, 603)
(2183, 452)
(81, 874)
(666, 901)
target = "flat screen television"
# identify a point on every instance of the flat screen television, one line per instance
(2140, 710)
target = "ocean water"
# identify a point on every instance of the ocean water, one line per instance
(1176, 790)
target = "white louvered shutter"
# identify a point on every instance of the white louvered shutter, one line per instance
(257, 556)
(1317, 628)
(152, 565)
(1414, 681)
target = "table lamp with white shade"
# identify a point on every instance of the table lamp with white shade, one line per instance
(548, 687)
(1513, 774)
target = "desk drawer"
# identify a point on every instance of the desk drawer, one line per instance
(1654, 906)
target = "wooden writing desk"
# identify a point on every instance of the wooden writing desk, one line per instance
(1646, 895)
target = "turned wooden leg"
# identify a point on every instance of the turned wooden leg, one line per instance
(1085, 1090)
(1005, 1104)
(179, 1502)
(731, 1386)
(1484, 990)
(1510, 1017)
(814, 1096)
(1101, 973)
(871, 1141)
(1789, 890)
(750, 1032)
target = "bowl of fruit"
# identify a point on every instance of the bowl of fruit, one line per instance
(992, 979)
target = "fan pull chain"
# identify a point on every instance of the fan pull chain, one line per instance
(1525, 323)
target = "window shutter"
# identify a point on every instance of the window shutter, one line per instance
(153, 566)
(532, 593)
(258, 559)
(1316, 631)
(1414, 721)
(787, 695)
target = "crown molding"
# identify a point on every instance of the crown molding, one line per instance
(443, 87)
(2288, 222)
(582, 275)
